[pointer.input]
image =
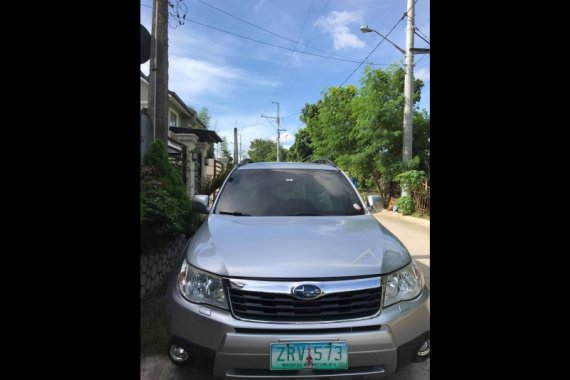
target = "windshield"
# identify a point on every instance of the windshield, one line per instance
(288, 192)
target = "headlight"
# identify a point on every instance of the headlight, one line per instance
(405, 284)
(201, 287)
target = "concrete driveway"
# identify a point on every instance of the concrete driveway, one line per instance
(413, 232)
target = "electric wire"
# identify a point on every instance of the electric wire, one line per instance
(382, 40)
(269, 31)
(281, 82)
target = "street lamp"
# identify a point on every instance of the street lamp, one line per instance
(366, 29)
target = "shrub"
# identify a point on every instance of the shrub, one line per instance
(405, 205)
(415, 181)
(165, 207)
(212, 183)
(158, 158)
(412, 179)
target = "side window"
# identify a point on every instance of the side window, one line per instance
(173, 122)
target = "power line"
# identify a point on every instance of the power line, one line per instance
(278, 46)
(252, 125)
(261, 123)
(422, 38)
(295, 49)
(179, 19)
(422, 33)
(293, 114)
(177, 6)
(284, 79)
(406, 13)
(269, 31)
(373, 50)
(382, 40)
(308, 41)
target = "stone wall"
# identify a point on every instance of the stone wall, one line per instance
(156, 267)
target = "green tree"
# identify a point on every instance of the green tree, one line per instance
(421, 144)
(224, 149)
(329, 123)
(301, 149)
(283, 154)
(378, 129)
(265, 150)
(205, 117)
(361, 130)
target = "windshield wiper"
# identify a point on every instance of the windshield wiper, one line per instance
(307, 214)
(235, 213)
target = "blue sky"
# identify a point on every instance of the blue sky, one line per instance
(238, 79)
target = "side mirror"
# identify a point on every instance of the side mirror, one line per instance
(200, 204)
(375, 203)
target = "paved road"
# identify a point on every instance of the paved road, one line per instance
(413, 232)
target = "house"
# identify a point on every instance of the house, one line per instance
(188, 138)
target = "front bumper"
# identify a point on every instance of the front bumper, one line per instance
(240, 349)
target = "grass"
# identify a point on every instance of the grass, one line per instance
(421, 215)
(154, 333)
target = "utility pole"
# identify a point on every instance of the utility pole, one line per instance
(240, 151)
(158, 75)
(279, 130)
(235, 145)
(408, 89)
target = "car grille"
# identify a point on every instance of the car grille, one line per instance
(284, 308)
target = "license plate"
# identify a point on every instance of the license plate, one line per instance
(315, 355)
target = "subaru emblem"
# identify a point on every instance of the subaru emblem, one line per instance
(307, 292)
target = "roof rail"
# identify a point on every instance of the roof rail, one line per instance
(325, 161)
(245, 161)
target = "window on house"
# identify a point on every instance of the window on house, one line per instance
(173, 122)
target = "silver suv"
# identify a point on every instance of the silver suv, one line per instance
(291, 276)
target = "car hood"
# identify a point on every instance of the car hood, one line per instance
(295, 247)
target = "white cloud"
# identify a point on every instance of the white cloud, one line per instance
(190, 77)
(336, 24)
(422, 74)
(256, 8)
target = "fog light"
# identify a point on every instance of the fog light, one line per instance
(178, 354)
(424, 349)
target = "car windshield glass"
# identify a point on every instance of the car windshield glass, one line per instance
(288, 192)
